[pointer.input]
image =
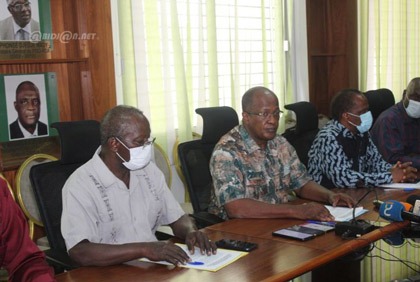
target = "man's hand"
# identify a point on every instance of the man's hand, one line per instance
(403, 172)
(167, 251)
(313, 211)
(341, 199)
(200, 239)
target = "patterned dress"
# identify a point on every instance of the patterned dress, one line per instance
(338, 158)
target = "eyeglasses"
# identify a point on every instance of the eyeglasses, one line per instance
(148, 142)
(19, 7)
(266, 115)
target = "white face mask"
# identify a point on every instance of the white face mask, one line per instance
(139, 156)
(413, 109)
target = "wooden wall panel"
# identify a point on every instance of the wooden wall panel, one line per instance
(84, 66)
(332, 49)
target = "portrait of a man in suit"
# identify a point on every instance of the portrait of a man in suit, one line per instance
(20, 24)
(28, 107)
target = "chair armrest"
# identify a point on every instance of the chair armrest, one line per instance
(59, 260)
(204, 219)
(162, 236)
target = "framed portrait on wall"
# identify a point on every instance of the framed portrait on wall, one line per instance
(25, 28)
(28, 105)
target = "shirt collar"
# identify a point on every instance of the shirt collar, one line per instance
(27, 134)
(249, 141)
(26, 28)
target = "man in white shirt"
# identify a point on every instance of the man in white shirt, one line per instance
(114, 203)
(20, 24)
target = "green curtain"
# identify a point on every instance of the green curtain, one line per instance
(389, 57)
(389, 44)
(167, 74)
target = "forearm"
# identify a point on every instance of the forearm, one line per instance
(183, 226)
(315, 192)
(249, 208)
(86, 253)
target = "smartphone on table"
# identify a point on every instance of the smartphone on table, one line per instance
(236, 245)
(304, 232)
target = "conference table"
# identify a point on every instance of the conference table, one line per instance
(275, 259)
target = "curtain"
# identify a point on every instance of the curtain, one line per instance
(389, 44)
(179, 55)
(389, 48)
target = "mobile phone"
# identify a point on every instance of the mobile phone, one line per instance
(299, 232)
(236, 245)
(320, 225)
(293, 234)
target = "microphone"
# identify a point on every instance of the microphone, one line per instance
(393, 210)
(354, 227)
(415, 201)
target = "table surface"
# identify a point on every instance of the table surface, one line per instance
(275, 259)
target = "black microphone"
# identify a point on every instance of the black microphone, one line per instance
(354, 228)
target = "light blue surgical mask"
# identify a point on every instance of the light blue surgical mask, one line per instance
(366, 120)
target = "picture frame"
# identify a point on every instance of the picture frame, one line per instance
(37, 41)
(25, 130)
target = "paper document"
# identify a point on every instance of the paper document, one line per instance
(203, 262)
(402, 185)
(345, 214)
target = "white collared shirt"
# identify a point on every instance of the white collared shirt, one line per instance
(27, 134)
(97, 205)
(26, 28)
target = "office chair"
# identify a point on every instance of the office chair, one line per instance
(26, 197)
(304, 132)
(194, 157)
(78, 140)
(379, 100)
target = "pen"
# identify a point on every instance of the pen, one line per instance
(196, 263)
(408, 189)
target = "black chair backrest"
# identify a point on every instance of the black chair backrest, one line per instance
(304, 132)
(79, 140)
(48, 180)
(194, 156)
(379, 100)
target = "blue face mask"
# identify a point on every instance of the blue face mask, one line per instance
(366, 120)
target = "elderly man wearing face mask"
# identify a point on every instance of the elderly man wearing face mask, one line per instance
(343, 154)
(113, 204)
(397, 130)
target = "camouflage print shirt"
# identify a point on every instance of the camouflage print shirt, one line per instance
(241, 169)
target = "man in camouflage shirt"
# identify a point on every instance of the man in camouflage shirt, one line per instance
(254, 169)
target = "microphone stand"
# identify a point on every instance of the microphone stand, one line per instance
(358, 202)
(354, 228)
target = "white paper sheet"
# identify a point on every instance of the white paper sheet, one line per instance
(345, 214)
(210, 263)
(402, 185)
